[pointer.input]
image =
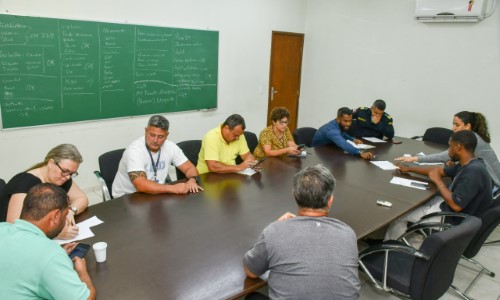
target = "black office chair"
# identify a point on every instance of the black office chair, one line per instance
(191, 149)
(108, 165)
(252, 142)
(304, 135)
(2, 184)
(436, 135)
(490, 220)
(424, 274)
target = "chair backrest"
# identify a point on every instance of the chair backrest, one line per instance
(490, 220)
(2, 184)
(252, 142)
(108, 165)
(437, 135)
(431, 278)
(304, 135)
(191, 149)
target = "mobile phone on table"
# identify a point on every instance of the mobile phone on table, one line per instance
(259, 162)
(80, 250)
(301, 146)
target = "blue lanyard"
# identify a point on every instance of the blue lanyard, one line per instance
(155, 165)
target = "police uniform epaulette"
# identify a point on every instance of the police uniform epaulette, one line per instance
(388, 116)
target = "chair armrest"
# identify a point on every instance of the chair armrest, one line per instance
(442, 214)
(417, 137)
(106, 195)
(428, 225)
(422, 227)
(496, 194)
(387, 247)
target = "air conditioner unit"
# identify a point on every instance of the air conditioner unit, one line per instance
(450, 10)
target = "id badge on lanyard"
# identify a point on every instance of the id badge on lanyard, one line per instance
(155, 165)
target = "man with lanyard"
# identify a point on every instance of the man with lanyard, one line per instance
(144, 165)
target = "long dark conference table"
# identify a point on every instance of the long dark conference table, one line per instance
(191, 246)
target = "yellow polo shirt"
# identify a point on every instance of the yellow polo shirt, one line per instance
(214, 147)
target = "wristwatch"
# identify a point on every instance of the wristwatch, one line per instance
(74, 209)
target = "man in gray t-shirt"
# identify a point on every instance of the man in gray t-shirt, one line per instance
(310, 256)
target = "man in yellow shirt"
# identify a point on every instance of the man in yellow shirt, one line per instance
(221, 146)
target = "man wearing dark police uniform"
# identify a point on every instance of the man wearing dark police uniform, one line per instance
(372, 122)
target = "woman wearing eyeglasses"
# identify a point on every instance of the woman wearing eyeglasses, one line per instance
(276, 140)
(59, 167)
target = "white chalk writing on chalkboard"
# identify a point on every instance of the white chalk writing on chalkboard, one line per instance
(95, 70)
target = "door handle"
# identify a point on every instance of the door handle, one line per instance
(273, 91)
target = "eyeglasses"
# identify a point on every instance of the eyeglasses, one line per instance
(283, 122)
(66, 172)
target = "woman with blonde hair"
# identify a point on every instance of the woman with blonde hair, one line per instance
(59, 168)
(276, 140)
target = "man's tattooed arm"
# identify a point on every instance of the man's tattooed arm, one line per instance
(136, 174)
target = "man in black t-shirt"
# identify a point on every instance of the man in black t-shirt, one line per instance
(468, 193)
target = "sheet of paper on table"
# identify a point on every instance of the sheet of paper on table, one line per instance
(84, 231)
(373, 139)
(408, 182)
(302, 154)
(247, 171)
(384, 164)
(361, 146)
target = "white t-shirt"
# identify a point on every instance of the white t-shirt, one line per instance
(136, 158)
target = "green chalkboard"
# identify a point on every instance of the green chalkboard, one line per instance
(57, 71)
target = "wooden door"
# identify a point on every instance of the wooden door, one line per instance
(284, 78)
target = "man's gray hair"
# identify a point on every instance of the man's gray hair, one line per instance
(159, 121)
(313, 186)
(233, 121)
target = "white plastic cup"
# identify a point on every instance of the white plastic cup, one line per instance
(100, 251)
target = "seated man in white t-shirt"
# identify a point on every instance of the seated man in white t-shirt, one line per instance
(144, 165)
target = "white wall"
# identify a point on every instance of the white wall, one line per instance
(245, 28)
(357, 51)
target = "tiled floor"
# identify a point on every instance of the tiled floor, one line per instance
(485, 288)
